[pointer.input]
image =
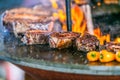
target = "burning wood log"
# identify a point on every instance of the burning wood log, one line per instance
(88, 15)
(84, 5)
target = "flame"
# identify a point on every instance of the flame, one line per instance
(62, 17)
(77, 15)
(77, 1)
(117, 40)
(54, 4)
(98, 4)
(111, 1)
(97, 32)
(80, 1)
(102, 38)
(79, 23)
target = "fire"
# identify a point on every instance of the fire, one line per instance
(102, 38)
(54, 4)
(80, 1)
(77, 15)
(62, 17)
(117, 40)
(78, 20)
(79, 23)
(111, 1)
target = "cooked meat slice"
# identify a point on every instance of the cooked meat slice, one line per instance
(20, 20)
(26, 14)
(62, 40)
(87, 43)
(35, 37)
(112, 46)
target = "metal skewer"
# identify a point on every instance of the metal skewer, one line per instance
(68, 15)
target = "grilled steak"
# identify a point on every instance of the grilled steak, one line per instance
(87, 43)
(62, 40)
(35, 37)
(112, 46)
(22, 19)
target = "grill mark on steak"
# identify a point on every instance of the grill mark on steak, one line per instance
(112, 46)
(87, 43)
(35, 37)
(20, 20)
(62, 40)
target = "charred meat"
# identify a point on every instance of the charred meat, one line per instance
(87, 43)
(35, 37)
(62, 40)
(112, 46)
(20, 20)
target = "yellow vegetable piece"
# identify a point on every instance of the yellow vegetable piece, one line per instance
(93, 55)
(106, 56)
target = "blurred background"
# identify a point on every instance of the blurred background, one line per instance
(105, 15)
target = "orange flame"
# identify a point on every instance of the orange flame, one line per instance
(117, 40)
(79, 23)
(54, 4)
(78, 19)
(111, 1)
(97, 32)
(102, 38)
(80, 1)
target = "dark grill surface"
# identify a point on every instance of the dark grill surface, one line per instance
(42, 52)
(54, 64)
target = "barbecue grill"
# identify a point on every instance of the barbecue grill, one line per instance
(42, 62)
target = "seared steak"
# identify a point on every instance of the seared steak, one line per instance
(62, 40)
(87, 43)
(112, 46)
(35, 37)
(20, 20)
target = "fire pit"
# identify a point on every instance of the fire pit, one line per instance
(42, 62)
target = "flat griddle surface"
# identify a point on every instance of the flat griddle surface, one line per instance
(43, 57)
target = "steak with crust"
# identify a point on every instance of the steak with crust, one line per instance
(61, 40)
(19, 20)
(87, 43)
(35, 37)
(112, 46)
